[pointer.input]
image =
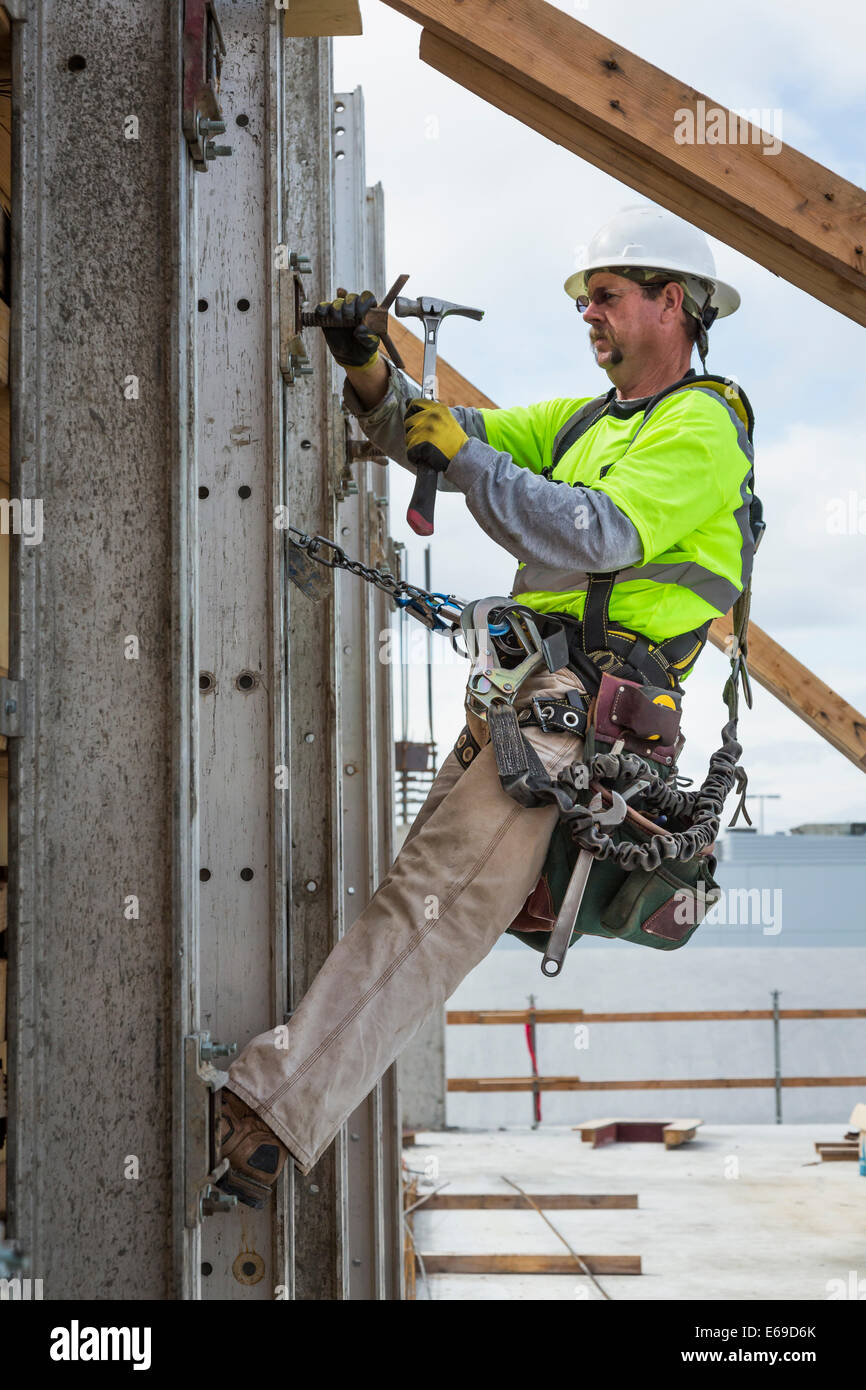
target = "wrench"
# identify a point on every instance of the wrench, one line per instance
(563, 927)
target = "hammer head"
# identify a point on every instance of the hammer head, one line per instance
(425, 307)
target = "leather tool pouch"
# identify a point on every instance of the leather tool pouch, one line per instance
(661, 909)
(645, 717)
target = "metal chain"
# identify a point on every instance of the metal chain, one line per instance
(701, 810)
(441, 612)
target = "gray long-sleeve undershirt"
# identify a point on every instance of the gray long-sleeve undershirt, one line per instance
(571, 531)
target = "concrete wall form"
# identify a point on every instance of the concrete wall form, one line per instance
(130, 781)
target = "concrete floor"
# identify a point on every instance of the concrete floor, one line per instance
(740, 1213)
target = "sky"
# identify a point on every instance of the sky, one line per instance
(483, 211)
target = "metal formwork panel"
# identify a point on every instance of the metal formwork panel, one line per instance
(164, 881)
(312, 464)
(102, 808)
(242, 962)
(373, 1151)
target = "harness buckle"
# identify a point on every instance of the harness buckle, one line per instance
(542, 713)
(489, 682)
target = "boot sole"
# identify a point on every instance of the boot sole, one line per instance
(247, 1190)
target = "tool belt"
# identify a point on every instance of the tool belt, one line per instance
(651, 880)
(661, 908)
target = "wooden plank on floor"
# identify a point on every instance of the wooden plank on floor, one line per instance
(597, 1132)
(786, 211)
(680, 1132)
(529, 1264)
(548, 1201)
(840, 1149)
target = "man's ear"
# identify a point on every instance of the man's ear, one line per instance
(673, 299)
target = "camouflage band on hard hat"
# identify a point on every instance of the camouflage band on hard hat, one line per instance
(645, 274)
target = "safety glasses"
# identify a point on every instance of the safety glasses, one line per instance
(603, 296)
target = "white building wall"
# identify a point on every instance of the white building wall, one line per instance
(811, 947)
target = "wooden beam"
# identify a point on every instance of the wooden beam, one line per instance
(321, 18)
(454, 389)
(800, 691)
(655, 183)
(529, 1264)
(549, 1201)
(782, 209)
(486, 1084)
(508, 1016)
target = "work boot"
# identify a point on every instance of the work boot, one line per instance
(256, 1156)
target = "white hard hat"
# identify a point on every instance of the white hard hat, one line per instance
(648, 236)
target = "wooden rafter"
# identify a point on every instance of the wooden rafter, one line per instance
(453, 389)
(783, 210)
(800, 691)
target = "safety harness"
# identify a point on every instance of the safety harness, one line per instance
(631, 857)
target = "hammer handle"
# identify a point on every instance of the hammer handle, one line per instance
(423, 504)
(376, 319)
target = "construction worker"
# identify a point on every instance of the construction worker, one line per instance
(656, 499)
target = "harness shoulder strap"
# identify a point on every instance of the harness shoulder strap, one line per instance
(677, 655)
(577, 425)
(735, 398)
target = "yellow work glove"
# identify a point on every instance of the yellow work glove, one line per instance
(433, 436)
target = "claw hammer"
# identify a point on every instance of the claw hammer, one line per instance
(431, 312)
